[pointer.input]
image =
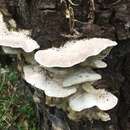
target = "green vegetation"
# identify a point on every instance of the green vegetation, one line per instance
(16, 109)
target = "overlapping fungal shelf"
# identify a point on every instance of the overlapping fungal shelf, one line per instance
(66, 73)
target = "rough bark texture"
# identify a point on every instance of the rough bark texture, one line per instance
(50, 27)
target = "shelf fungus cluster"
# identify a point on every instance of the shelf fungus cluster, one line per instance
(65, 74)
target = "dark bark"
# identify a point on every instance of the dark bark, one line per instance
(109, 19)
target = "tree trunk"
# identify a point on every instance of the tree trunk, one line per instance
(53, 22)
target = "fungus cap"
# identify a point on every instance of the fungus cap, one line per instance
(82, 101)
(18, 40)
(103, 116)
(59, 71)
(80, 76)
(35, 76)
(102, 99)
(73, 52)
(12, 51)
(106, 100)
(94, 63)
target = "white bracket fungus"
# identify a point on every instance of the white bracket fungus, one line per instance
(35, 76)
(95, 97)
(80, 76)
(12, 51)
(15, 39)
(59, 71)
(55, 82)
(94, 63)
(103, 116)
(90, 114)
(18, 40)
(73, 52)
(3, 28)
